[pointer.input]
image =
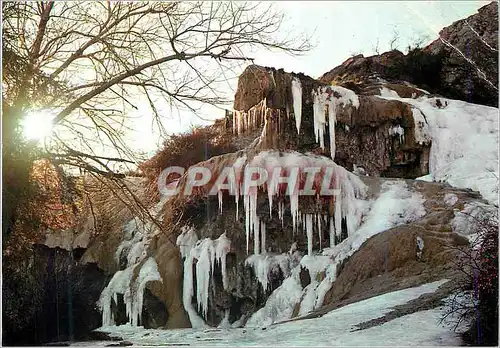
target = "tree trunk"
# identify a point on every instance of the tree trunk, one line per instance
(17, 160)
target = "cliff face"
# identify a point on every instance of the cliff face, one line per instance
(365, 132)
(461, 64)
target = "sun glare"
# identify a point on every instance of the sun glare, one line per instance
(37, 125)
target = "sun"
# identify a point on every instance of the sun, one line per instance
(37, 125)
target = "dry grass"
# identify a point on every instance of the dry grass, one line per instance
(187, 149)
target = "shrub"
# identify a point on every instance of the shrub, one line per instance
(187, 149)
(476, 298)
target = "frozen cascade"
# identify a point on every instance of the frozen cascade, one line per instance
(346, 204)
(297, 102)
(186, 240)
(133, 292)
(148, 273)
(207, 252)
(117, 285)
(137, 235)
(324, 101)
(395, 205)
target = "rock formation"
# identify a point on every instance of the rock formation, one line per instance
(461, 64)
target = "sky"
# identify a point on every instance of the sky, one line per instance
(340, 29)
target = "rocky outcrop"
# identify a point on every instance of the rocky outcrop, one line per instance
(470, 66)
(461, 64)
(50, 298)
(364, 134)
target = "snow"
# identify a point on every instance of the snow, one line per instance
(450, 199)
(396, 205)
(464, 150)
(346, 96)
(386, 92)
(467, 221)
(297, 102)
(207, 252)
(336, 328)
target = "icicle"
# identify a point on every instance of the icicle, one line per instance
(234, 122)
(294, 208)
(332, 233)
(338, 215)
(223, 246)
(246, 203)
(319, 217)
(297, 102)
(187, 293)
(237, 201)
(319, 116)
(256, 235)
(219, 195)
(309, 230)
(263, 237)
(332, 120)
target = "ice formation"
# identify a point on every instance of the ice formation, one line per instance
(297, 102)
(464, 148)
(396, 205)
(289, 175)
(148, 273)
(207, 253)
(352, 190)
(251, 119)
(398, 130)
(422, 132)
(186, 240)
(265, 265)
(325, 104)
(132, 291)
(137, 235)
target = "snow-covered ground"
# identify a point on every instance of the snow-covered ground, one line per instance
(337, 328)
(464, 150)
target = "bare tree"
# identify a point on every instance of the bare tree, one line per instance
(376, 47)
(393, 44)
(87, 63)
